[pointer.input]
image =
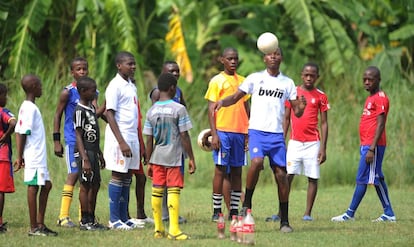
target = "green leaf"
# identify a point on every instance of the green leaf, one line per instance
(403, 32)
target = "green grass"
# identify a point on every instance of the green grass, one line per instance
(196, 207)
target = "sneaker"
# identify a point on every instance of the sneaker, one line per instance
(215, 217)
(131, 224)
(87, 226)
(342, 218)
(384, 218)
(243, 211)
(3, 227)
(36, 232)
(307, 218)
(48, 232)
(119, 225)
(273, 218)
(66, 222)
(100, 227)
(286, 228)
(142, 221)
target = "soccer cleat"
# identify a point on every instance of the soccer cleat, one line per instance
(385, 218)
(307, 218)
(119, 225)
(36, 232)
(66, 222)
(342, 218)
(273, 218)
(87, 226)
(48, 231)
(215, 217)
(3, 227)
(286, 228)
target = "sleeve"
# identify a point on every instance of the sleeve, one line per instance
(25, 123)
(287, 104)
(324, 103)
(184, 122)
(147, 130)
(77, 118)
(111, 97)
(212, 90)
(292, 91)
(247, 85)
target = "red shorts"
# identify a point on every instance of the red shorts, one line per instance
(165, 176)
(140, 171)
(6, 177)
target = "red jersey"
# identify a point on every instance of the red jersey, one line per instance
(305, 128)
(374, 106)
(5, 150)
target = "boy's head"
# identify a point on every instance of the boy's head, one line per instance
(171, 67)
(3, 95)
(167, 83)
(230, 60)
(86, 88)
(32, 85)
(309, 75)
(79, 67)
(125, 63)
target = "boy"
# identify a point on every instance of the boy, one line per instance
(122, 147)
(7, 124)
(88, 153)
(229, 132)
(166, 125)
(306, 150)
(373, 143)
(68, 100)
(32, 155)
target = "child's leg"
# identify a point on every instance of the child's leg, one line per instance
(174, 209)
(84, 202)
(140, 195)
(114, 191)
(43, 196)
(92, 197)
(32, 203)
(164, 205)
(1, 207)
(156, 203)
(124, 200)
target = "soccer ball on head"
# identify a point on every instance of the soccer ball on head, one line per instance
(204, 140)
(267, 43)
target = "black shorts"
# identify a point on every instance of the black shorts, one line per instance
(95, 176)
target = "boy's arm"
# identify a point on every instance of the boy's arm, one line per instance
(86, 165)
(155, 95)
(324, 139)
(125, 149)
(298, 105)
(9, 131)
(378, 132)
(148, 152)
(286, 122)
(215, 142)
(20, 143)
(182, 101)
(186, 142)
(63, 99)
(229, 100)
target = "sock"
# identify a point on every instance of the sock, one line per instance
(156, 204)
(284, 213)
(248, 198)
(85, 217)
(124, 200)
(173, 209)
(114, 191)
(234, 202)
(67, 194)
(382, 192)
(217, 198)
(164, 205)
(356, 199)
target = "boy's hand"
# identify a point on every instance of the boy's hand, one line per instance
(102, 162)
(18, 164)
(191, 166)
(149, 171)
(58, 149)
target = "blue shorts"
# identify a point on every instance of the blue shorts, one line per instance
(71, 164)
(370, 173)
(268, 144)
(231, 152)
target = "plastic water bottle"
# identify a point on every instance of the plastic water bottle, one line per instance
(239, 229)
(221, 226)
(233, 228)
(248, 228)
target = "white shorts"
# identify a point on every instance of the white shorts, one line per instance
(115, 161)
(36, 176)
(302, 158)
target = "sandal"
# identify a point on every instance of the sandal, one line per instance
(159, 234)
(180, 236)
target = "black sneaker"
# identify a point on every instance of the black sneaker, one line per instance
(233, 212)
(87, 226)
(100, 227)
(3, 227)
(36, 232)
(48, 232)
(243, 211)
(215, 217)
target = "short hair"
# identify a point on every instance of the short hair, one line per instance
(28, 81)
(84, 83)
(3, 89)
(376, 70)
(169, 62)
(311, 64)
(229, 49)
(78, 59)
(165, 81)
(121, 56)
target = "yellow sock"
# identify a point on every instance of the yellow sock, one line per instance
(156, 203)
(67, 194)
(173, 203)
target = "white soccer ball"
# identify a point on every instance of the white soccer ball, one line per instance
(267, 43)
(204, 140)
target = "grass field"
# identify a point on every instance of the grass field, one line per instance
(196, 207)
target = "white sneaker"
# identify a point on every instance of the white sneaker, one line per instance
(342, 218)
(119, 225)
(133, 225)
(385, 217)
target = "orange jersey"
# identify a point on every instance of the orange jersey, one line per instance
(233, 118)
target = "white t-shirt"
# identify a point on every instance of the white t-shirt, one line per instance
(269, 94)
(121, 96)
(30, 123)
